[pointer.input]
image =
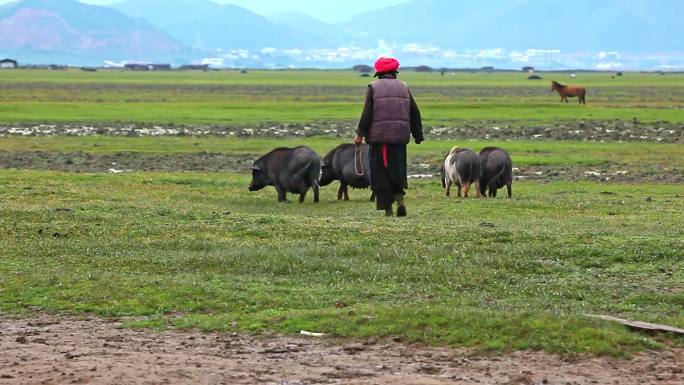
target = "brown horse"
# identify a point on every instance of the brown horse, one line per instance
(569, 91)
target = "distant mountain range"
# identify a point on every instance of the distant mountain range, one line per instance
(320, 32)
(443, 23)
(206, 24)
(447, 33)
(578, 25)
(68, 28)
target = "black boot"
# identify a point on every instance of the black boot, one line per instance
(389, 212)
(401, 210)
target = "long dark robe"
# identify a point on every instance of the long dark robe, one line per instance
(388, 182)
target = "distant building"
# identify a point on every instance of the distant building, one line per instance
(147, 67)
(8, 63)
(137, 67)
(487, 69)
(194, 67)
(424, 68)
(363, 68)
(160, 67)
(528, 69)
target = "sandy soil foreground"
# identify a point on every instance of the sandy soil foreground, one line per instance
(57, 350)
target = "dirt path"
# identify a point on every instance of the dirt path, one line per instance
(52, 350)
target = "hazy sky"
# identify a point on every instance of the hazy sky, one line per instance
(327, 10)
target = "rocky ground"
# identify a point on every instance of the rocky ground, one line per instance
(68, 350)
(666, 132)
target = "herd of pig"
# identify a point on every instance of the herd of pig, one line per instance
(297, 170)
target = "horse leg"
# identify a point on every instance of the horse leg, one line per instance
(460, 186)
(372, 198)
(340, 192)
(466, 190)
(477, 190)
(448, 187)
(509, 187)
(346, 192)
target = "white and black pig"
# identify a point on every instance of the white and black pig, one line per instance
(461, 167)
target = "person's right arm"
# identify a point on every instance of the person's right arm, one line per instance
(366, 120)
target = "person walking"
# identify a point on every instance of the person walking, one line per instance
(390, 117)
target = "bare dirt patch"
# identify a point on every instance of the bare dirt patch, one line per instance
(241, 163)
(57, 350)
(126, 161)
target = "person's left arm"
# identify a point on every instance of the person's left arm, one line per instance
(416, 121)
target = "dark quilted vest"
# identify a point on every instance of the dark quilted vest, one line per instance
(391, 112)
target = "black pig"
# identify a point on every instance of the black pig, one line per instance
(497, 171)
(350, 166)
(293, 170)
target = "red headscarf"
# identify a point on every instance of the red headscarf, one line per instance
(386, 64)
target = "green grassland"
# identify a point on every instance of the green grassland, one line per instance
(331, 78)
(198, 250)
(230, 97)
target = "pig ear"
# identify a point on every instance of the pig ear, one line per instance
(256, 168)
